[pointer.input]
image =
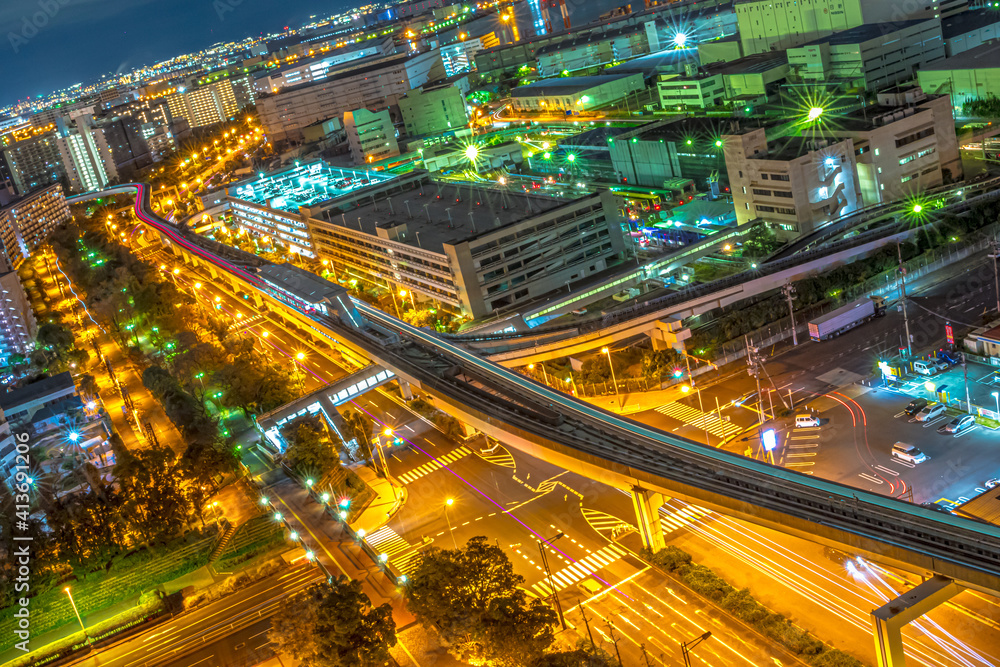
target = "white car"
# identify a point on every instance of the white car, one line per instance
(908, 453)
(806, 421)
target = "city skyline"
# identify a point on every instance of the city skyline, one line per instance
(85, 39)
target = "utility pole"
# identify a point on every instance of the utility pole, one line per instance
(752, 361)
(902, 298)
(788, 289)
(965, 370)
(548, 575)
(687, 358)
(995, 252)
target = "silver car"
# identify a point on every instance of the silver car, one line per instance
(958, 425)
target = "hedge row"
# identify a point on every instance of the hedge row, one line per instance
(741, 604)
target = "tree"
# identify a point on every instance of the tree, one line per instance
(312, 450)
(585, 655)
(473, 597)
(56, 338)
(359, 426)
(153, 503)
(334, 625)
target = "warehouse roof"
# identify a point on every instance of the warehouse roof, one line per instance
(986, 56)
(568, 85)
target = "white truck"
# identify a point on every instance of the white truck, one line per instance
(846, 317)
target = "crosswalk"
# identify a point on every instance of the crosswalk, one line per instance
(402, 555)
(704, 421)
(436, 464)
(681, 517)
(579, 570)
(603, 522)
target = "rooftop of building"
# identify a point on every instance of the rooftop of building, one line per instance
(351, 68)
(867, 32)
(967, 21)
(36, 390)
(790, 148)
(752, 64)
(590, 38)
(568, 85)
(315, 59)
(985, 506)
(306, 184)
(445, 213)
(679, 130)
(985, 56)
(668, 60)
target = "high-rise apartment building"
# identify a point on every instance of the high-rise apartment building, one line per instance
(129, 148)
(205, 102)
(34, 162)
(27, 223)
(17, 322)
(87, 157)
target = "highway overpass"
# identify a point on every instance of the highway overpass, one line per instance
(615, 450)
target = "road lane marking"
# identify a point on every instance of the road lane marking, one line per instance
(888, 470)
(436, 464)
(873, 480)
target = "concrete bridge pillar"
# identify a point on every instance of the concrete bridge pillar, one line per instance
(889, 619)
(258, 301)
(668, 333)
(647, 506)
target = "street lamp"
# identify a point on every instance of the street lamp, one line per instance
(77, 612)
(612, 367)
(548, 575)
(448, 503)
(687, 646)
(996, 395)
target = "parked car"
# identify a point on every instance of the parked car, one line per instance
(929, 367)
(915, 406)
(908, 453)
(992, 483)
(806, 421)
(931, 411)
(958, 424)
(950, 358)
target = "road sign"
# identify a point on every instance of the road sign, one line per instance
(769, 439)
(949, 333)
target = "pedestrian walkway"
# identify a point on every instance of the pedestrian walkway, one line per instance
(580, 570)
(602, 522)
(684, 517)
(704, 421)
(436, 464)
(399, 553)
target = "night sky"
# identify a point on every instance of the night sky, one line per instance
(87, 38)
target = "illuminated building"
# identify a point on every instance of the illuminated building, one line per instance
(211, 102)
(868, 57)
(34, 162)
(575, 93)
(317, 68)
(968, 76)
(433, 109)
(902, 146)
(27, 223)
(370, 135)
(468, 249)
(372, 82)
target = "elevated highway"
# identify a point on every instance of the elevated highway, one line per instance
(615, 450)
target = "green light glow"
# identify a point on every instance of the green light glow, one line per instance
(814, 113)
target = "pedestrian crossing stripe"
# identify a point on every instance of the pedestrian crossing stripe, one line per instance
(436, 464)
(246, 322)
(402, 555)
(682, 517)
(704, 421)
(602, 521)
(579, 570)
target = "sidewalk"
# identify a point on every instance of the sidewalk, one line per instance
(389, 498)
